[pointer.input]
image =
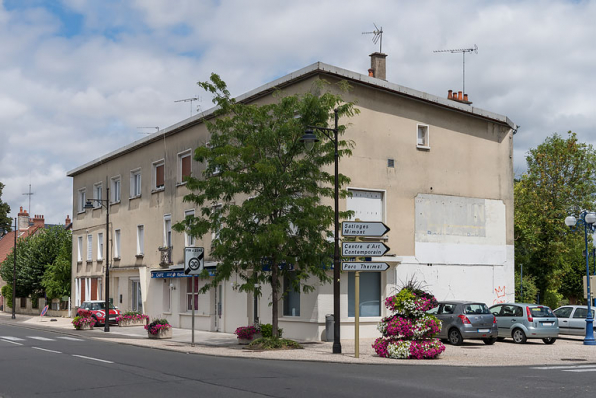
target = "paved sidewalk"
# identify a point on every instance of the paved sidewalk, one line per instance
(566, 350)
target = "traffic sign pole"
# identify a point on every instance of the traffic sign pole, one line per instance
(357, 313)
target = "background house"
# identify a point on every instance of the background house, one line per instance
(436, 170)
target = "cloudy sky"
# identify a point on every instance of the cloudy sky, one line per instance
(79, 77)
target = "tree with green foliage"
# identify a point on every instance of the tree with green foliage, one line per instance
(5, 221)
(261, 190)
(41, 263)
(560, 180)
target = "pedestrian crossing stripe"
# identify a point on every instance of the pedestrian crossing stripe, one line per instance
(12, 338)
(569, 368)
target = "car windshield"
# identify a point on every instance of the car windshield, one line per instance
(478, 308)
(100, 306)
(541, 311)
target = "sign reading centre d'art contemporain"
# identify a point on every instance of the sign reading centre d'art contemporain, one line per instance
(367, 249)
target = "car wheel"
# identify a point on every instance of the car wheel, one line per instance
(490, 340)
(519, 336)
(549, 340)
(455, 337)
(96, 321)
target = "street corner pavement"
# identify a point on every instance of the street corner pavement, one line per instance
(567, 349)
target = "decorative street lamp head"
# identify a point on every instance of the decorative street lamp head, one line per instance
(88, 205)
(309, 139)
(570, 221)
(590, 218)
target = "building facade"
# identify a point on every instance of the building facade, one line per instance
(437, 171)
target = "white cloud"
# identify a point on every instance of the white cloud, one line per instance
(78, 77)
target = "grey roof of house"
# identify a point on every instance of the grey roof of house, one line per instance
(318, 68)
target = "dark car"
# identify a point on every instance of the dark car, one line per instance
(97, 310)
(465, 320)
(522, 321)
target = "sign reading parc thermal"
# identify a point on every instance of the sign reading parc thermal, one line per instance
(364, 266)
(367, 249)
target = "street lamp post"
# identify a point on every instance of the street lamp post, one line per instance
(105, 203)
(588, 220)
(309, 138)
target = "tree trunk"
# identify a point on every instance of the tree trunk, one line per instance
(274, 297)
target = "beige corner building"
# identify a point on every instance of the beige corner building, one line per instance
(437, 171)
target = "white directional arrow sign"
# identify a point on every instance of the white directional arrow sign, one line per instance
(361, 266)
(367, 249)
(363, 228)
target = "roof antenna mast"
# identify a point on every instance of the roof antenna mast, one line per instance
(29, 194)
(197, 98)
(463, 51)
(378, 36)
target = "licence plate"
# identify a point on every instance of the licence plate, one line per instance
(483, 330)
(547, 323)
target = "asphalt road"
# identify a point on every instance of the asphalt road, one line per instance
(36, 362)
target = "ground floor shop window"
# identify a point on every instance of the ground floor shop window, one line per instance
(370, 293)
(137, 300)
(189, 293)
(291, 298)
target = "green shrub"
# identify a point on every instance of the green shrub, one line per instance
(271, 343)
(7, 294)
(267, 330)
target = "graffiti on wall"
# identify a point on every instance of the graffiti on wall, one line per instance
(500, 295)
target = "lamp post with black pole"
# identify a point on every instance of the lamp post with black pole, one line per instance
(309, 138)
(14, 269)
(588, 220)
(106, 204)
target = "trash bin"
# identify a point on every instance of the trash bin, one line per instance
(329, 327)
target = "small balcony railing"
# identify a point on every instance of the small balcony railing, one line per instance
(165, 256)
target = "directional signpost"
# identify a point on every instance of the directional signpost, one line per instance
(363, 249)
(193, 265)
(364, 228)
(368, 229)
(364, 266)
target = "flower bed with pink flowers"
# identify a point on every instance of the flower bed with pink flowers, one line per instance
(410, 332)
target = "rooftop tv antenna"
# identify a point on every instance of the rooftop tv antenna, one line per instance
(463, 51)
(29, 194)
(378, 36)
(197, 98)
(157, 129)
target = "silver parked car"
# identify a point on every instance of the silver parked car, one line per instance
(465, 320)
(572, 319)
(522, 321)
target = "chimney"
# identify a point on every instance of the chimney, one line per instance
(38, 221)
(459, 96)
(450, 94)
(67, 221)
(23, 222)
(378, 65)
(371, 72)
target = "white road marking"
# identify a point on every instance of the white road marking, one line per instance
(12, 342)
(11, 338)
(126, 334)
(40, 338)
(580, 370)
(45, 349)
(93, 359)
(70, 338)
(565, 367)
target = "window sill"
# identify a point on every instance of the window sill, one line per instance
(156, 190)
(89, 262)
(134, 197)
(99, 260)
(79, 262)
(422, 147)
(139, 255)
(115, 203)
(81, 212)
(116, 259)
(180, 184)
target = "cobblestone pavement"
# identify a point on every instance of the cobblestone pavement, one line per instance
(566, 350)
